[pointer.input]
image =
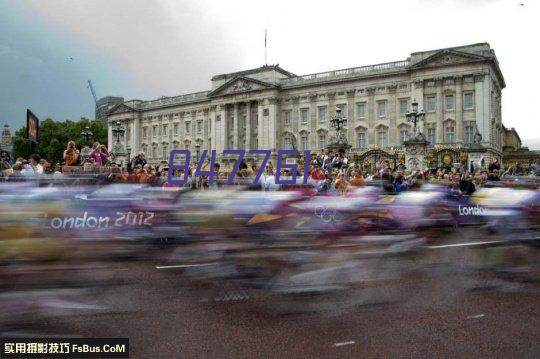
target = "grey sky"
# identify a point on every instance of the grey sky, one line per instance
(147, 49)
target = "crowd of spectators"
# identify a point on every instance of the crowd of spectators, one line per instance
(328, 171)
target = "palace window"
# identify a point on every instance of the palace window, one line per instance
(165, 130)
(159, 130)
(430, 104)
(153, 152)
(175, 128)
(154, 131)
(382, 137)
(304, 141)
(403, 106)
(304, 115)
(449, 102)
(322, 113)
(469, 134)
(199, 126)
(468, 101)
(449, 133)
(165, 150)
(144, 132)
(322, 141)
(381, 108)
(287, 141)
(287, 117)
(361, 139)
(361, 110)
(431, 135)
(188, 127)
(403, 136)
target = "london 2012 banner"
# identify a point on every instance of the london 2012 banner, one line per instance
(32, 127)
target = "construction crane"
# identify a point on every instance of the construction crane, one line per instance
(92, 89)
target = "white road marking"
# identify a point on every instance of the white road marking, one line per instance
(184, 266)
(344, 343)
(476, 316)
(463, 244)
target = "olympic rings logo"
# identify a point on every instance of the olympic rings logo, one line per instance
(326, 214)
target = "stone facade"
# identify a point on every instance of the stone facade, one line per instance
(270, 108)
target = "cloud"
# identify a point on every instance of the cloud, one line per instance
(166, 47)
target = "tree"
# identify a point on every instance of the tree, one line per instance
(54, 136)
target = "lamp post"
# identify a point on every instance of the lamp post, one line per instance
(338, 121)
(415, 116)
(85, 151)
(86, 133)
(118, 131)
(197, 150)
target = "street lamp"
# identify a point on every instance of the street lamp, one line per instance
(197, 150)
(415, 116)
(86, 133)
(118, 131)
(338, 121)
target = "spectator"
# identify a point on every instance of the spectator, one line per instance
(357, 180)
(104, 154)
(34, 164)
(71, 154)
(5, 157)
(494, 176)
(138, 160)
(317, 174)
(494, 165)
(95, 153)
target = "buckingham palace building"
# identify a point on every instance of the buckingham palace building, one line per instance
(270, 108)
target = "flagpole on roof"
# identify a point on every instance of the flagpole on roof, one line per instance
(265, 53)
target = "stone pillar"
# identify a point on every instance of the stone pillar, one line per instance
(248, 126)
(135, 135)
(482, 122)
(371, 115)
(213, 132)
(458, 109)
(415, 152)
(391, 115)
(439, 112)
(260, 132)
(109, 134)
(272, 119)
(350, 116)
(224, 130)
(313, 119)
(235, 131)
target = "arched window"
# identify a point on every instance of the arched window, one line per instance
(382, 136)
(305, 142)
(322, 140)
(449, 132)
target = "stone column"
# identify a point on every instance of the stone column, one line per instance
(109, 135)
(350, 116)
(224, 130)
(235, 131)
(391, 115)
(371, 115)
(313, 119)
(272, 119)
(260, 132)
(481, 119)
(135, 135)
(439, 108)
(248, 126)
(213, 131)
(458, 109)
